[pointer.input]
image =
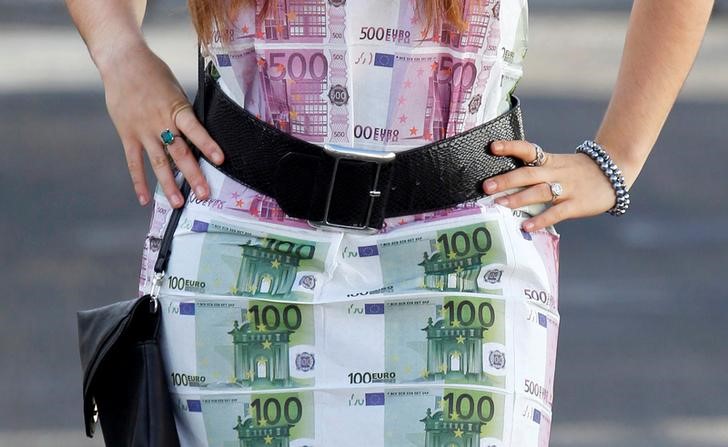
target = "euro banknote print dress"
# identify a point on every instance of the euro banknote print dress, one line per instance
(439, 330)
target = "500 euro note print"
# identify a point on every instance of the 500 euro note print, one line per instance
(433, 96)
(297, 22)
(535, 367)
(384, 23)
(308, 93)
(302, 92)
(310, 60)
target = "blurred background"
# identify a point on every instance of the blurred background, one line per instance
(643, 346)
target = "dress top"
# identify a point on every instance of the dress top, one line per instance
(368, 74)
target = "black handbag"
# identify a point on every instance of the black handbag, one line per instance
(124, 380)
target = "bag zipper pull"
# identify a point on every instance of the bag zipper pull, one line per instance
(154, 292)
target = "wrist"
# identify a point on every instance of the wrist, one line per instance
(109, 54)
(612, 172)
(625, 156)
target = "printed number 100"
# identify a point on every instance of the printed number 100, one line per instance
(270, 410)
(465, 406)
(461, 242)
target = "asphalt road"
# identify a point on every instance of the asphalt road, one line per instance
(644, 304)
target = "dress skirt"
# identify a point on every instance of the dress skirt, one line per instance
(439, 330)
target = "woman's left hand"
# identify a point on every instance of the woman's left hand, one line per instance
(586, 191)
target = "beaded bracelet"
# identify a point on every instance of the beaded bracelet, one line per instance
(613, 173)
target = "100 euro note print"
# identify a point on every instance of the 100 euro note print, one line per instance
(252, 258)
(435, 416)
(377, 351)
(253, 344)
(258, 345)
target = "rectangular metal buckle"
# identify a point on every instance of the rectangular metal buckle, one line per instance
(339, 152)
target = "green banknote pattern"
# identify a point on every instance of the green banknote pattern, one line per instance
(254, 420)
(255, 260)
(432, 416)
(238, 344)
(260, 345)
(449, 259)
(438, 334)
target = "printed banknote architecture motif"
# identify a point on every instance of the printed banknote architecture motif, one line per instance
(260, 356)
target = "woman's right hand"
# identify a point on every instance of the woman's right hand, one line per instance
(142, 95)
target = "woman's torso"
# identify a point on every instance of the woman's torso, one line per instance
(367, 73)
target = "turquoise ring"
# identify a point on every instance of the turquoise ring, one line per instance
(167, 137)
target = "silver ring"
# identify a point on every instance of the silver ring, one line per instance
(556, 190)
(168, 138)
(540, 157)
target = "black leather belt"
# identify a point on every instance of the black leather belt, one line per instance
(352, 188)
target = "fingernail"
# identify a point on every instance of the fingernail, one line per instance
(217, 157)
(497, 146)
(200, 191)
(528, 226)
(142, 200)
(490, 186)
(176, 200)
(502, 201)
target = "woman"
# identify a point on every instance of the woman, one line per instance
(436, 327)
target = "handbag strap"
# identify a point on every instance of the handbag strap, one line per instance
(165, 248)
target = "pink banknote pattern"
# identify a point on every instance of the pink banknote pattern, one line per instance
(372, 74)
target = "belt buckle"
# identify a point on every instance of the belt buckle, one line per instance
(340, 152)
